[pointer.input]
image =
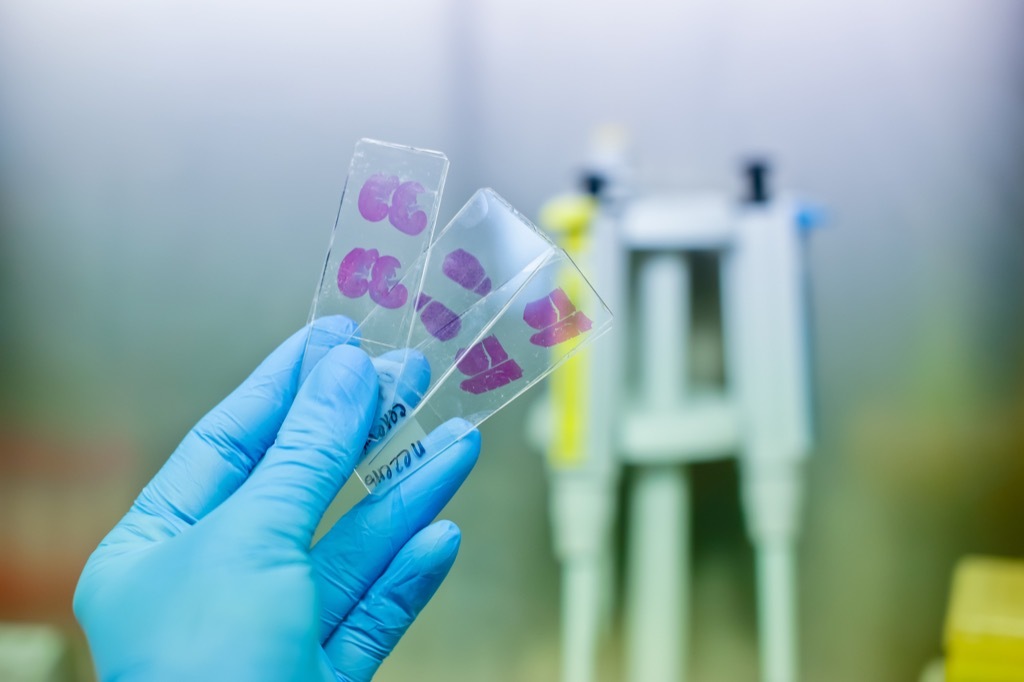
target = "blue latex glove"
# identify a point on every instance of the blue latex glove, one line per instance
(210, 575)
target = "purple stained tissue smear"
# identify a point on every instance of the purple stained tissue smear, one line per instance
(375, 196)
(365, 270)
(441, 322)
(557, 319)
(464, 269)
(354, 271)
(405, 214)
(488, 367)
(385, 290)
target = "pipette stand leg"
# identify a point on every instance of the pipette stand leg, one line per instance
(580, 620)
(776, 621)
(773, 529)
(582, 507)
(658, 603)
(657, 598)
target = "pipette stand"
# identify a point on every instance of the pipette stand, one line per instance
(659, 423)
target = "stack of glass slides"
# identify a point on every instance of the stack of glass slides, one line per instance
(469, 317)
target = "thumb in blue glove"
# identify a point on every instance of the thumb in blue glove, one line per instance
(210, 575)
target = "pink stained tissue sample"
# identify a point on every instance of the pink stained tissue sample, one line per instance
(384, 196)
(488, 367)
(365, 270)
(405, 214)
(385, 290)
(557, 319)
(375, 196)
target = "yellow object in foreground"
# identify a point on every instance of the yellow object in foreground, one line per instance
(985, 623)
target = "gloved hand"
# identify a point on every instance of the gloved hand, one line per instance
(210, 575)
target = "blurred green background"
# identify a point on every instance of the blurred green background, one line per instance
(169, 172)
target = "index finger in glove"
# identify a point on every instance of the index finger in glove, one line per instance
(220, 451)
(320, 442)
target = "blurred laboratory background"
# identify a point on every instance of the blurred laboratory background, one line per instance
(169, 175)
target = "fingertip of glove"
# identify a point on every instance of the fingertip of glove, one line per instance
(321, 336)
(409, 368)
(463, 432)
(444, 537)
(340, 366)
(333, 330)
(417, 368)
(457, 443)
